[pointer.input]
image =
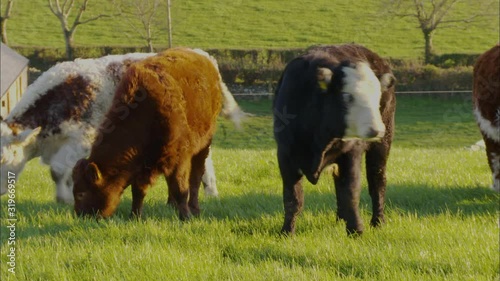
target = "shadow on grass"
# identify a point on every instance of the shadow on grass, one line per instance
(31, 220)
(253, 206)
(421, 200)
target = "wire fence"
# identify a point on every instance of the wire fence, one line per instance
(399, 93)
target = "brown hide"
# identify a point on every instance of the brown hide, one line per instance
(162, 121)
(486, 99)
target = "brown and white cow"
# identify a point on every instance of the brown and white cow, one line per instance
(486, 100)
(161, 121)
(58, 115)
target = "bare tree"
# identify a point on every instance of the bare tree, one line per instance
(434, 14)
(169, 23)
(145, 13)
(62, 12)
(3, 20)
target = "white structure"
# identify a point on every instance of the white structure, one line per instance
(14, 78)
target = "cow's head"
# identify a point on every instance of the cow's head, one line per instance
(17, 147)
(93, 194)
(361, 92)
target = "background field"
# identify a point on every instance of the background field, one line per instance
(442, 218)
(262, 24)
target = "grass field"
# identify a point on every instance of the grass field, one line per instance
(262, 24)
(442, 218)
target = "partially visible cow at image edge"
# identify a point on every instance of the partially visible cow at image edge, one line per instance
(333, 104)
(175, 98)
(59, 114)
(486, 107)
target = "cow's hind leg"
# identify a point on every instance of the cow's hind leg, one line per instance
(208, 179)
(293, 194)
(493, 154)
(197, 169)
(178, 189)
(376, 161)
(348, 189)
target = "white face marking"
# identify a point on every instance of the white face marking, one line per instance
(489, 129)
(362, 92)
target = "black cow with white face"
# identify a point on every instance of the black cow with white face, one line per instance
(333, 104)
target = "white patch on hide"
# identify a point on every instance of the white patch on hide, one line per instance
(492, 131)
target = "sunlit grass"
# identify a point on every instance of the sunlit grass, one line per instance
(442, 218)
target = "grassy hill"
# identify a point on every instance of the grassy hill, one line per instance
(258, 24)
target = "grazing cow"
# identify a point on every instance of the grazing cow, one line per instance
(161, 121)
(331, 105)
(486, 100)
(59, 113)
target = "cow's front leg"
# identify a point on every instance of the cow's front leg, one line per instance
(293, 194)
(348, 188)
(138, 193)
(376, 161)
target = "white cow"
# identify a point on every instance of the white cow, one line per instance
(58, 116)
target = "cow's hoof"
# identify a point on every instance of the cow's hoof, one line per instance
(377, 222)
(287, 231)
(171, 202)
(195, 211)
(184, 217)
(354, 230)
(353, 233)
(134, 216)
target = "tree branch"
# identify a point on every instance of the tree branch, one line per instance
(70, 6)
(94, 18)
(8, 10)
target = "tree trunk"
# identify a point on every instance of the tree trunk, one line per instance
(169, 24)
(150, 45)
(68, 39)
(4, 31)
(429, 50)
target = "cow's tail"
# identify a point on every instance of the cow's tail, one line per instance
(230, 108)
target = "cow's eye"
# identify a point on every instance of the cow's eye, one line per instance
(348, 98)
(80, 196)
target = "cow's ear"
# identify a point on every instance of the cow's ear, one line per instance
(92, 173)
(27, 137)
(386, 81)
(324, 76)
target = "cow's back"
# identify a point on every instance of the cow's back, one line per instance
(486, 93)
(169, 103)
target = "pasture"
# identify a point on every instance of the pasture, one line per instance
(442, 218)
(260, 24)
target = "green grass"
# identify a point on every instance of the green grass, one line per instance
(262, 24)
(442, 218)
